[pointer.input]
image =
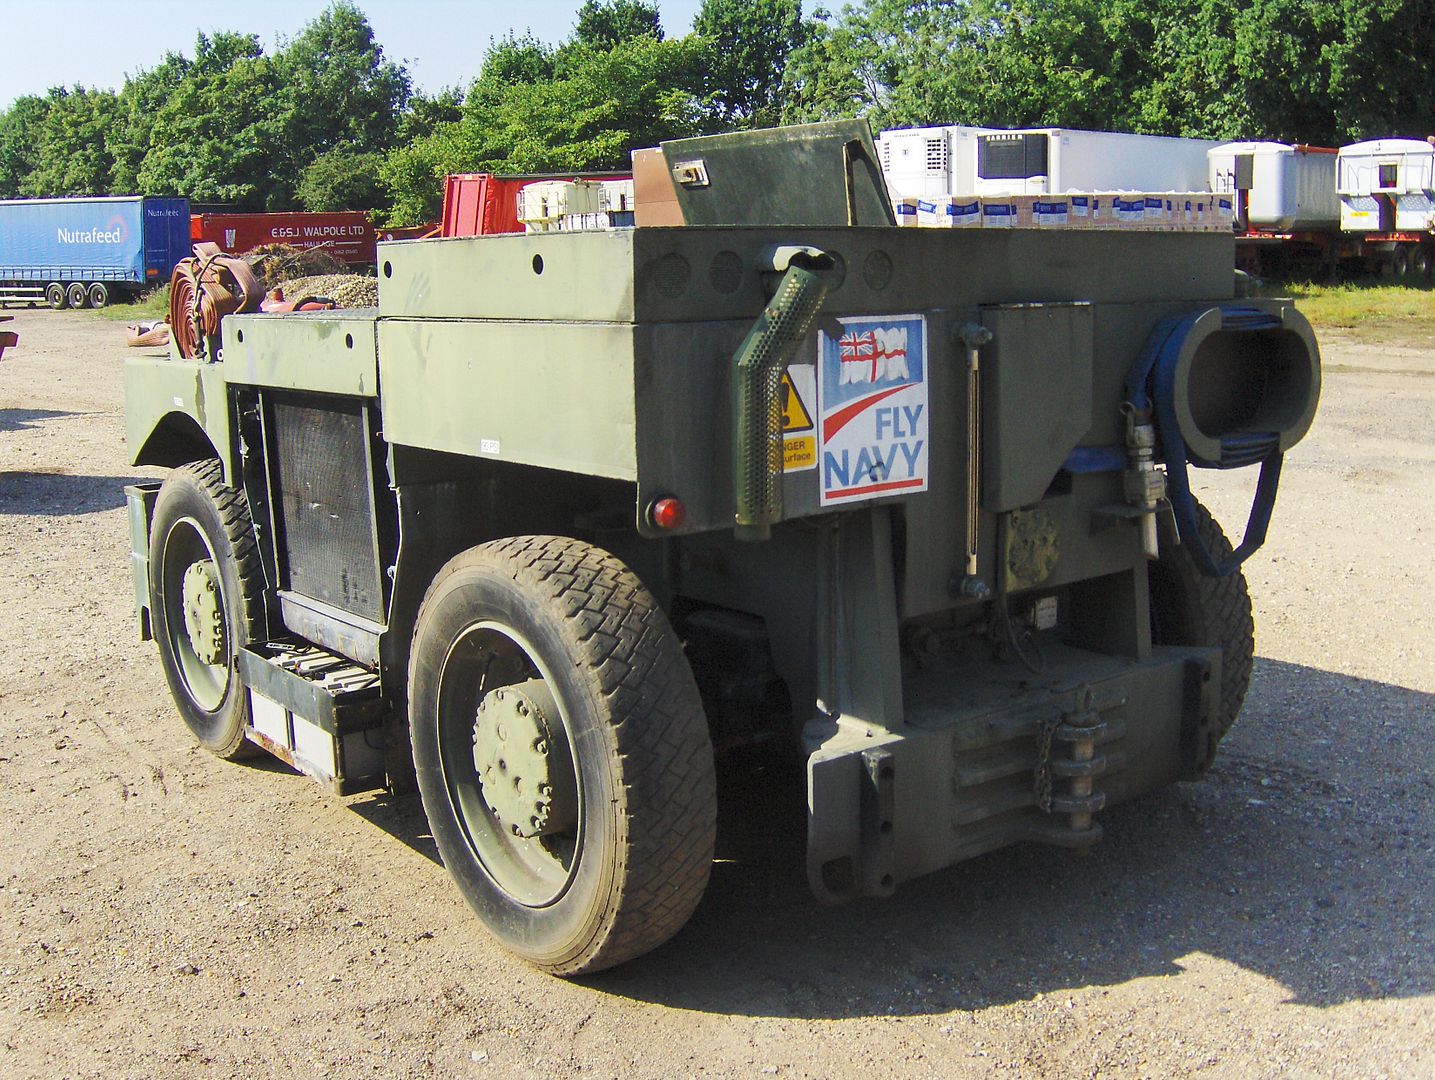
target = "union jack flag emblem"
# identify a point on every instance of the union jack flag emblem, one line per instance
(860, 351)
(868, 356)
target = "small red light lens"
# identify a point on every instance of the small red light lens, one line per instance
(668, 513)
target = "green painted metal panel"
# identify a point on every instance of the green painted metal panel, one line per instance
(690, 274)
(1036, 377)
(324, 352)
(157, 387)
(555, 395)
(572, 275)
(733, 178)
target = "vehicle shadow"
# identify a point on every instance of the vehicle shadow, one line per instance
(1302, 865)
(56, 494)
(25, 419)
(402, 817)
(1303, 868)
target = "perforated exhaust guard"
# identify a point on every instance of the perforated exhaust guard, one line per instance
(757, 405)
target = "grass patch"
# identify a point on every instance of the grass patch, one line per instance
(152, 306)
(1390, 310)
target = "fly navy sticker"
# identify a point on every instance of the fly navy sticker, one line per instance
(875, 423)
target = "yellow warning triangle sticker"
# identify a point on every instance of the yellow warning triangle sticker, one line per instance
(795, 416)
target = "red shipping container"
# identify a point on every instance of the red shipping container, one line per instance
(347, 235)
(480, 204)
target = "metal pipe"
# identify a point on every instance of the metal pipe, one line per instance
(973, 336)
(757, 380)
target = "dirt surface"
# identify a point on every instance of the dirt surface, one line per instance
(167, 914)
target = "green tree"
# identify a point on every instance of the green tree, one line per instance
(413, 173)
(424, 114)
(599, 103)
(606, 23)
(836, 72)
(344, 178)
(130, 138)
(337, 94)
(216, 138)
(751, 41)
(338, 89)
(70, 154)
(1328, 71)
(19, 142)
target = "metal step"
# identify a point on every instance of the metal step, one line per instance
(321, 713)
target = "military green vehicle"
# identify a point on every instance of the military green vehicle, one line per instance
(570, 514)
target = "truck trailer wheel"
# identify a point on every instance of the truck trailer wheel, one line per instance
(1189, 608)
(561, 752)
(98, 294)
(205, 592)
(56, 296)
(76, 295)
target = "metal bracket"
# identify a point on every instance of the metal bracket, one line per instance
(692, 173)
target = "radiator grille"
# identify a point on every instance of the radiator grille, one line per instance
(325, 505)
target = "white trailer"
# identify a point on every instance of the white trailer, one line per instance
(1041, 161)
(1385, 186)
(1279, 187)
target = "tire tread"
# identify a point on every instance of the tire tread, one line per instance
(1195, 609)
(207, 476)
(661, 743)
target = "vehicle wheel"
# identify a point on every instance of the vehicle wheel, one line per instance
(561, 752)
(55, 296)
(76, 296)
(1400, 262)
(1420, 262)
(206, 597)
(98, 294)
(1189, 608)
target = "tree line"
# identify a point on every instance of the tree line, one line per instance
(326, 121)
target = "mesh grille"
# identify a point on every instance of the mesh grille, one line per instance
(323, 499)
(936, 155)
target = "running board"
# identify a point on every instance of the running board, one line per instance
(321, 713)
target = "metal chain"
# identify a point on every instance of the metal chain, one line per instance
(1041, 786)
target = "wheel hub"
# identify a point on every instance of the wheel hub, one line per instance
(204, 612)
(525, 770)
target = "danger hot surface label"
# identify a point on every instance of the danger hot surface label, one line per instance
(874, 430)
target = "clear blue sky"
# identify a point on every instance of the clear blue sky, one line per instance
(96, 42)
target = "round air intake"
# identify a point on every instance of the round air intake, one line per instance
(1244, 383)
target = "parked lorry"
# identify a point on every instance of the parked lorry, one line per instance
(1385, 188)
(347, 235)
(569, 514)
(1313, 210)
(86, 252)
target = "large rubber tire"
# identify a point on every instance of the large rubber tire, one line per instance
(77, 295)
(627, 873)
(56, 296)
(1189, 608)
(197, 519)
(98, 294)
(1420, 262)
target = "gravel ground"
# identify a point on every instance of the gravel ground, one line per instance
(167, 914)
